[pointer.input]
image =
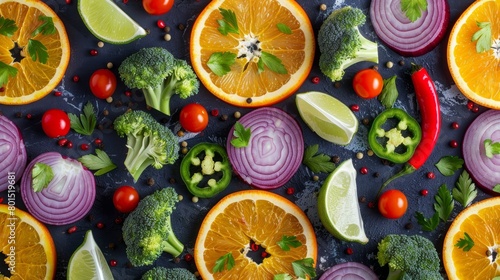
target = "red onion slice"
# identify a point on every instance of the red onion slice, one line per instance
(349, 271)
(13, 155)
(484, 171)
(69, 195)
(405, 37)
(275, 150)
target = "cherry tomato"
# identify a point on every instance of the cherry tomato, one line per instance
(125, 199)
(55, 123)
(157, 7)
(392, 204)
(368, 83)
(193, 117)
(102, 83)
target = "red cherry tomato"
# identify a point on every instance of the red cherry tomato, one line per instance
(102, 83)
(368, 83)
(392, 204)
(55, 123)
(157, 7)
(125, 199)
(193, 117)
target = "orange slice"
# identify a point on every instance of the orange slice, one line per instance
(34, 79)
(476, 74)
(481, 221)
(253, 216)
(34, 251)
(258, 22)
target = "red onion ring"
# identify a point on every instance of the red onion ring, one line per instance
(484, 171)
(67, 198)
(13, 155)
(349, 271)
(275, 150)
(405, 37)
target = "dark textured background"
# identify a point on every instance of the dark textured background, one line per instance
(187, 218)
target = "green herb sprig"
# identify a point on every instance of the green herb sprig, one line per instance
(226, 261)
(465, 243)
(86, 122)
(228, 23)
(447, 165)
(389, 93)
(100, 162)
(7, 27)
(491, 148)
(220, 62)
(241, 136)
(465, 190)
(413, 9)
(41, 176)
(288, 241)
(443, 206)
(483, 37)
(304, 267)
(272, 62)
(317, 162)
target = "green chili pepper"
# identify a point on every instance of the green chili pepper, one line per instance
(396, 144)
(206, 170)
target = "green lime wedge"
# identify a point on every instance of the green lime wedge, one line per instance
(331, 119)
(338, 205)
(108, 22)
(88, 262)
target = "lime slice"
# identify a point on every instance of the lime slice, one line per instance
(331, 119)
(108, 22)
(338, 205)
(88, 262)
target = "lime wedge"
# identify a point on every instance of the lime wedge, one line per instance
(338, 205)
(108, 22)
(88, 262)
(331, 119)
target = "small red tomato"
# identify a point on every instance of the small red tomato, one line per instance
(55, 123)
(157, 7)
(125, 199)
(193, 117)
(392, 204)
(368, 83)
(102, 83)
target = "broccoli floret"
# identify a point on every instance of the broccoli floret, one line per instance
(341, 44)
(160, 273)
(148, 142)
(159, 75)
(409, 257)
(147, 231)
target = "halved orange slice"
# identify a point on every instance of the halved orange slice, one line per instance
(34, 79)
(266, 30)
(253, 216)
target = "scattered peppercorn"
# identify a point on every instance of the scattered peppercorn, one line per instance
(93, 52)
(167, 37)
(455, 125)
(19, 115)
(57, 93)
(424, 192)
(100, 225)
(181, 26)
(68, 2)
(224, 117)
(349, 251)
(376, 174)
(184, 144)
(171, 180)
(62, 142)
(111, 245)
(109, 99)
(470, 105)
(322, 7)
(315, 80)
(71, 230)
(362, 199)
(150, 182)
(375, 67)
(195, 199)
(214, 112)
(401, 63)
(431, 175)
(488, 253)
(180, 133)
(315, 178)
(69, 144)
(371, 204)
(188, 257)
(105, 112)
(76, 78)
(254, 246)
(365, 121)
(118, 220)
(160, 23)
(167, 29)
(84, 146)
(249, 100)
(180, 197)
(475, 109)
(290, 190)
(113, 263)
(237, 114)
(335, 159)
(369, 153)
(184, 150)
(263, 254)
(389, 64)
(100, 44)
(453, 143)
(359, 155)
(29, 116)
(109, 65)
(408, 225)
(363, 170)
(127, 93)
(355, 107)
(337, 84)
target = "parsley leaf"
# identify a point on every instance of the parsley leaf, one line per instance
(427, 224)
(483, 37)
(491, 148)
(228, 23)
(6, 71)
(41, 175)
(413, 8)
(273, 63)
(242, 136)
(496, 188)
(282, 276)
(87, 121)
(317, 162)
(444, 203)
(220, 62)
(224, 262)
(465, 243)
(389, 92)
(447, 165)
(37, 51)
(283, 28)
(465, 190)
(100, 162)
(288, 241)
(7, 27)
(304, 267)
(46, 28)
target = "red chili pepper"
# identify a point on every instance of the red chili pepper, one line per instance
(428, 101)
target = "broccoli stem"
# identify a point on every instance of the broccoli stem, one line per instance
(172, 245)
(367, 52)
(138, 158)
(395, 274)
(168, 91)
